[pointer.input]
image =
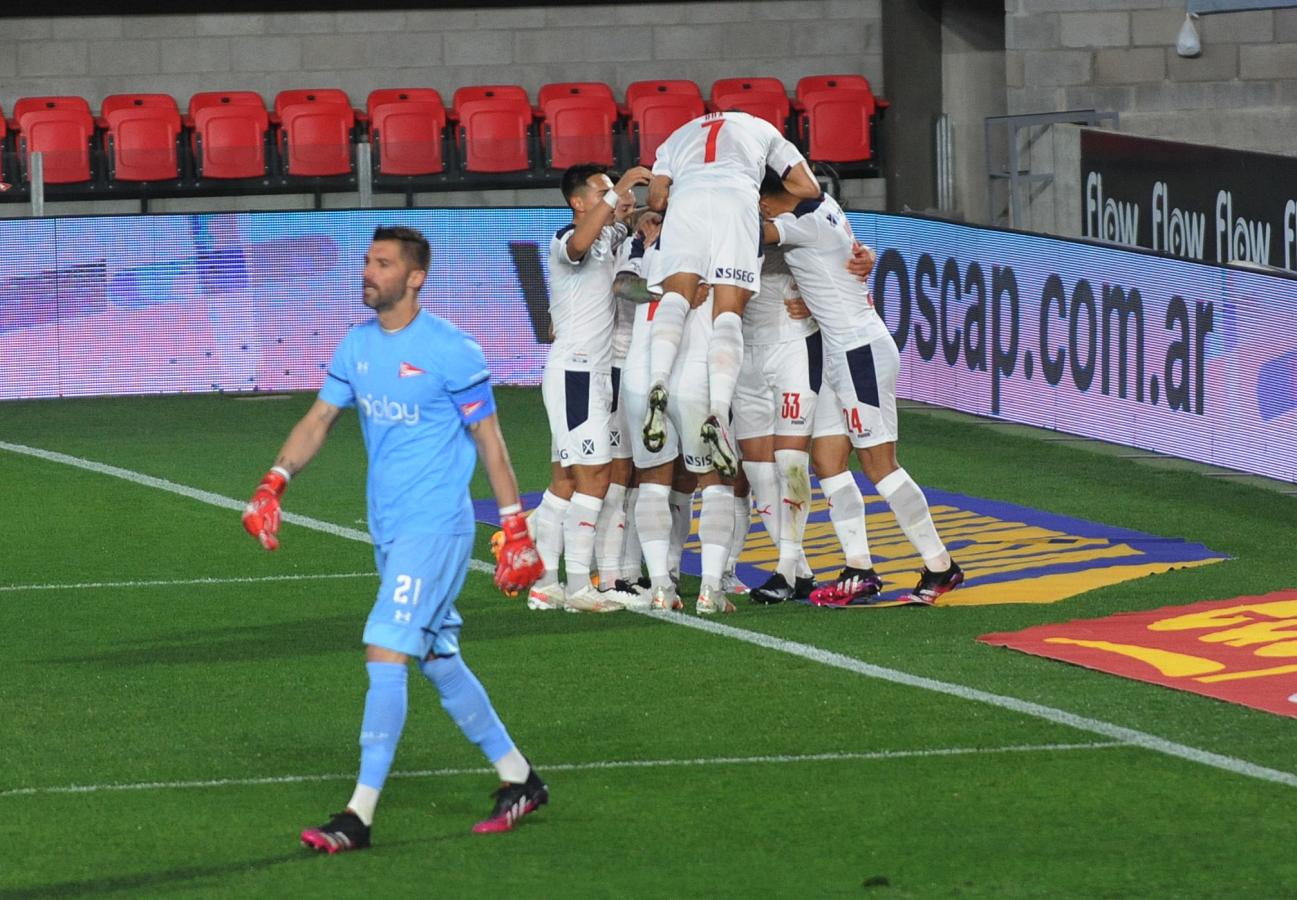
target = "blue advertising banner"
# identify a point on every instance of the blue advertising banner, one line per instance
(1185, 358)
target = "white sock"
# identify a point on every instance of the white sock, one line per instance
(363, 801)
(610, 533)
(911, 509)
(765, 491)
(630, 549)
(682, 513)
(847, 512)
(578, 539)
(653, 521)
(715, 528)
(794, 506)
(664, 338)
(742, 522)
(724, 359)
(547, 524)
(512, 767)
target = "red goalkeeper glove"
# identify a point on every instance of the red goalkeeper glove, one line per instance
(518, 564)
(261, 515)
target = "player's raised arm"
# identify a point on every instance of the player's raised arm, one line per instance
(658, 192)
(598, 210)
(801, 183)
(261, 515)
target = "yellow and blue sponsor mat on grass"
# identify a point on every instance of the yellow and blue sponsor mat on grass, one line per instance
(1009, 553)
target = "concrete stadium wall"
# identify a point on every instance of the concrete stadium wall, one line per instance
(446, 49)
(1120, 55)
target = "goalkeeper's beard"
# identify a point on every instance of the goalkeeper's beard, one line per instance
(377, 300)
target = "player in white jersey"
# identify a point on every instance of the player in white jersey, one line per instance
(655, 468)
(710, 169)
(860, 368)
(774, 409)
(577, 384)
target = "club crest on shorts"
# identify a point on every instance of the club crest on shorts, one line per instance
(587, 447)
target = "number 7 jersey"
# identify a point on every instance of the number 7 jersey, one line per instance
(724, 149)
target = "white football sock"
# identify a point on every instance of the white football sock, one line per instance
(610, 533)
(794, 506)
(363, 802)
(512, 767)
(847, 512)
(682, 513)
(742, 522)
(664, 338)
(630, 549)
(765, 491)
(724, 359)
(911, 509)
(578, 539)
(715, 528)
(653, 521)
(547, 523)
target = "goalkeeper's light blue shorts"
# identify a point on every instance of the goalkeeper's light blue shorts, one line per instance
(415, 610)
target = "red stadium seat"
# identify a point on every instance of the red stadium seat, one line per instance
(62, 135)
(493, 128)
(285, 99)
(819, 83)
(837, 125)
(141, 138)
(28, 104)
(406, 127)
(590, 89)
(315, 137)
(579, 119)
(230, 139)
(762, 97)
(206, 99)
(658, 108)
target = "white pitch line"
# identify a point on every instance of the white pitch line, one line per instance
(179, 582)
(756, 638)
(566, 767)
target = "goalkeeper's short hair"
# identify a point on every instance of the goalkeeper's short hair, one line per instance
(414, 246)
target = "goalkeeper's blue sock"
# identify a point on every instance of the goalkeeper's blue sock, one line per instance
(380, 732)
(464, 698)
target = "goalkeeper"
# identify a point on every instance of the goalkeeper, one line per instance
(423, 393)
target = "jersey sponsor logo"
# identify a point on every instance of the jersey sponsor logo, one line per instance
(732, 274)
(409, 371)
(383, 411)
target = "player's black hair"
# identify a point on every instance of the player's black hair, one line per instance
(574, 179)
(772, 185)
(414, 246)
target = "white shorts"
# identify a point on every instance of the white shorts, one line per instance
(858, 398)
(619, 427)
(777, 388)
(577, 403)
(713, 233)
(633, 403)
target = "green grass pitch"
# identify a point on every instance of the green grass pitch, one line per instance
(178, 704)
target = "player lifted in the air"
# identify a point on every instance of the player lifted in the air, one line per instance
(710, 169)
(857, 401)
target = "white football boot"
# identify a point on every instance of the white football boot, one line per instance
(711, 601)
(549, 597)
(591, 599)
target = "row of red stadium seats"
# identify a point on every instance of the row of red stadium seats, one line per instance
(486, 130)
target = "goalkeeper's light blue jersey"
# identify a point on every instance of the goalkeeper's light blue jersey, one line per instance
(416, 392)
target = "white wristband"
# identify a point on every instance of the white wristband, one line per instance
(510, 509)
(612, 198)
(288, 476)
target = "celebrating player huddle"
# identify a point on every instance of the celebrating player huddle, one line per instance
(786, 352)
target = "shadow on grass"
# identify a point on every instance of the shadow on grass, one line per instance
(239, 643)
(130, 885)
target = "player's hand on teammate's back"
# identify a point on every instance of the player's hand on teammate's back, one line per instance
(261, 515)
(518, 564)
(862, 260)
(797, 308)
